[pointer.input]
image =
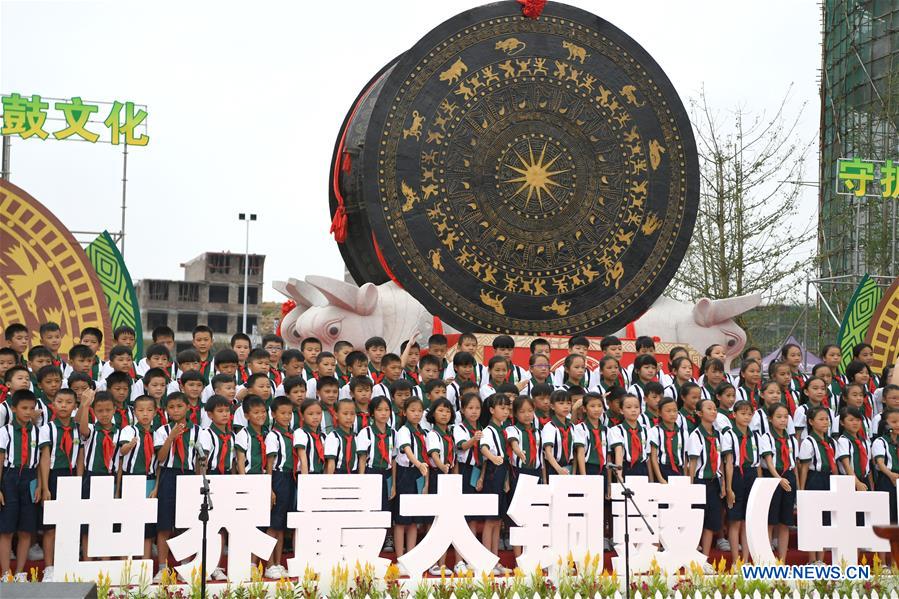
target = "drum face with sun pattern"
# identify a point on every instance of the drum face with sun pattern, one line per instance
(45, 276)
(529, 176)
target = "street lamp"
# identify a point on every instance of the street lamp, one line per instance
(246, 267)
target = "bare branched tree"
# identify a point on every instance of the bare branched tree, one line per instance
(744, 241)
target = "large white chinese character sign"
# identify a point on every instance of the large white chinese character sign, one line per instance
(555, 520)
(843, 536)
(115, 527)
(338, 519)
(449, 508)
(240, 505)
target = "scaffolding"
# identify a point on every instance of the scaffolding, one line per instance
(817, 284)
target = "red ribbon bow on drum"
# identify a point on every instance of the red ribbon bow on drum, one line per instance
(532, 8)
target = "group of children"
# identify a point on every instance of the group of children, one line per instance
(413, 416)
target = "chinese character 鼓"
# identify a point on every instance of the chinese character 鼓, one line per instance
(103, 512)
(642, 542)
(23, 116)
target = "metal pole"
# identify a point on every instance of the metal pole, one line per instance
(246, 277)
(4, 163)
(805, 319)
(124, 190)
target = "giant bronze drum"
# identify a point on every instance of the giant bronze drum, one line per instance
(519, 175)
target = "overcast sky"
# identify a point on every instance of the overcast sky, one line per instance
(245, 99)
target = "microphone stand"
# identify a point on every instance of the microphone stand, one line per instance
(205, 507)
(628, 495)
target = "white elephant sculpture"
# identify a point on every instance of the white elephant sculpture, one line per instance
(331, 310)
(707, 322)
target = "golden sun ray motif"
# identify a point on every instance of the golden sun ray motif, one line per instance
(535, 176)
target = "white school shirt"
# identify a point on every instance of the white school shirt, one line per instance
(137, 454)
(847, 448)
(730, 443)
(6, 414)
(768, 446)
(404, 437)
(367, 441)
(550, 435)
(618, 436)
(190, 436)
(657, 439)
(435, 443)
(479, 372)
(762, 425)
(464, 456)
(696, 449)
(558, 378)
(809, 451)
(722, 423)
(49, 434)
(879, 449)
(513, 432)
(800, 420)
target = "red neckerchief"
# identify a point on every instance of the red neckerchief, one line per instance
(163, 420)
(713, 448)
(108, 447)
(862, 454)
(349, 450)
(132, 373)
(275, 375)
(868, 407)
(4, 391)
(752, 400)
(743, 441)
(26, 445)
(382, 444)
(226, 449)
(564, 432)
(784, 452)
(789, 401)
(376, 375)
(364, 416)
(123, 415)
(288, 442)
(242, 374)
(474, 450)
(597, 441)
(615, 419)
(148, 449)
(422, 443)
(194, 413)
(532, 444)
(333, 414)
(412, 375)
(621, 377)
(178, 444)
(636, 443)
(449, 457)
(260, 438)
(669, 447)
(828, 448)
(318, 447)
(654, 419)
(66, 442)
